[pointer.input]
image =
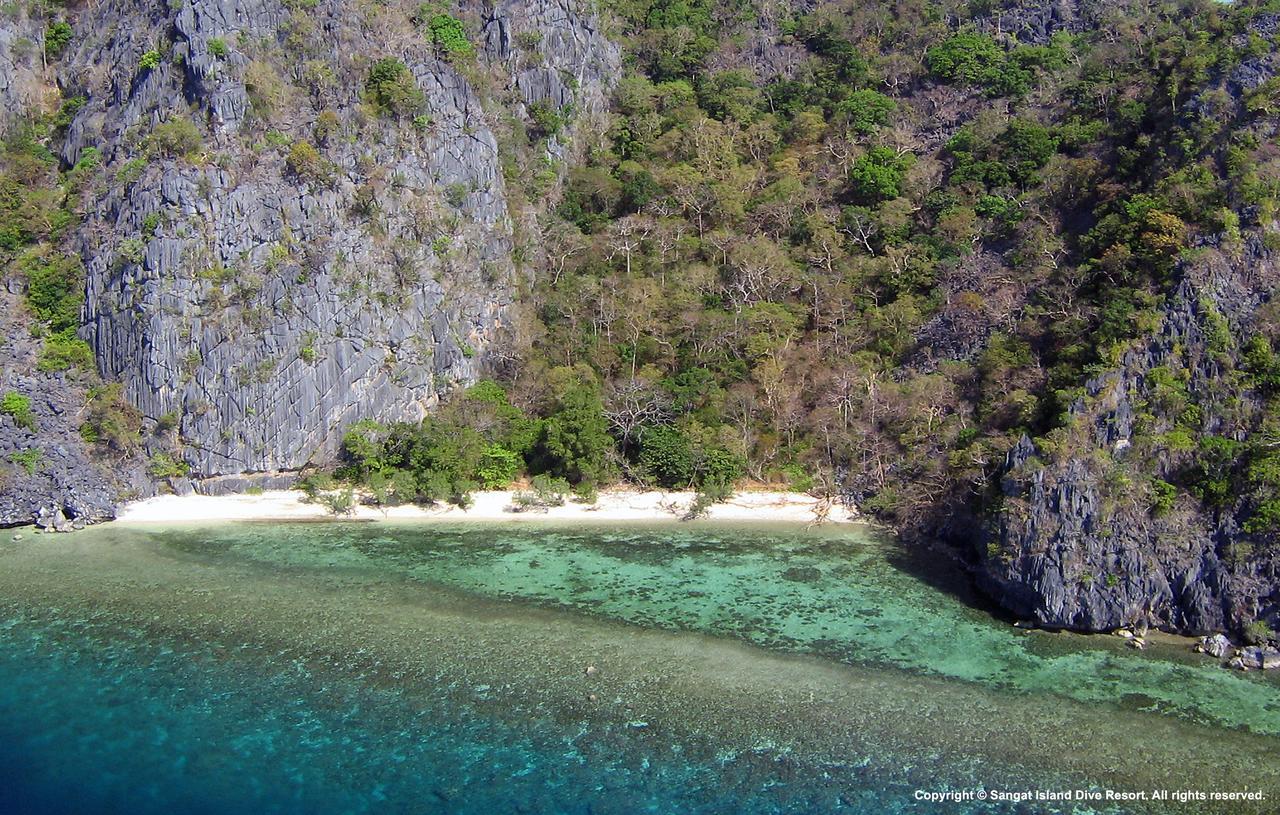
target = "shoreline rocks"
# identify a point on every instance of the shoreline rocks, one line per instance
(1257, 657)
(1252, 657)
(1216, 646)
(1068, 550)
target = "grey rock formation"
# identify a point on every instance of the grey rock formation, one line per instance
(1259, 658)
(264, 304)
(978, 298)
(1217, 646)
(1037, 22)
(46, 473)
(21, 45)
(1077, 543)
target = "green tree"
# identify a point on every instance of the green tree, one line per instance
(56, 38)
(977, 59)
(55, 287)
(1027, 146)
(449, 36)
(486, 405)
(877, 175)
(666, 456)
(575, 434)
(498, 467)
(865, 110)
(364, 448)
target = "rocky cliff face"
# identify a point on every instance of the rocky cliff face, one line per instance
(48, 474)
(1083, 538)
(22, 86)
(269, 256)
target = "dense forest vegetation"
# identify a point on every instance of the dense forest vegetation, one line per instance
(855, 247)
(867, 247)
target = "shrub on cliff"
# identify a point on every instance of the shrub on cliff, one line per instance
(56, 38)
(306, 164)
(29, 459)
(176, 138)
(18, 406)
(149, 61)
(55, 287)
(391, 88)
(65, 350)
(449, 37)
(547, 120)
(164, 465)
(111, 421)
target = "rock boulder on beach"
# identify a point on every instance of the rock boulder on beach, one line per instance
(1260, 657)
(1216, 646)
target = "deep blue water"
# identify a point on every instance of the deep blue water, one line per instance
(128, 726)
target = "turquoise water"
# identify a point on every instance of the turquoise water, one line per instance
(850, 596)
(340, 668)
(126, 725)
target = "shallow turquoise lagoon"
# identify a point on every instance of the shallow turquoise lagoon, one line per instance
(851, 596)
(348, 667)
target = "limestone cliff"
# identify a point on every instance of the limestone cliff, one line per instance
(1085, 536)
(269, 254)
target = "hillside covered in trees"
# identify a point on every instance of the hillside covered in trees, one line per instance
(872, 247)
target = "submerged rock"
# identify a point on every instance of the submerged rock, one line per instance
(802, 574)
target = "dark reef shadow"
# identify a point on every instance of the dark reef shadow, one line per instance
(941, 567)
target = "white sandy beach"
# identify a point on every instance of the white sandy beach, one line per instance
(613, 505)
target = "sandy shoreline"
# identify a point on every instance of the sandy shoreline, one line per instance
(613, 505)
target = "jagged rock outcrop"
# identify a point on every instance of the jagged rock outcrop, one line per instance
(1078, 543)
(263, 297)
(46, 473)
(1035, 21)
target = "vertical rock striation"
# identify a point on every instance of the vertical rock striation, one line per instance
(263, 304)
(270, 254)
